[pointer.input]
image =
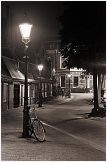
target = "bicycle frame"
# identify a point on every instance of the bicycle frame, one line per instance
(35, 126)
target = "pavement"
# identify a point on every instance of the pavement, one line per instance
(14, 147)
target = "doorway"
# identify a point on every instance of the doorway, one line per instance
(75, 81)
(16, 95)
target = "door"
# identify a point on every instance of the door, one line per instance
(16, 95)
(75, 81)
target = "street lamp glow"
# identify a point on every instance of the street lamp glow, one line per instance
(69, 75)
(40, 67)
(25, 29)
(54, 70)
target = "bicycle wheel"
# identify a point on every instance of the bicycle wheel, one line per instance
(38, 130)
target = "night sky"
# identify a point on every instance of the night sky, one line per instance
(43, 15)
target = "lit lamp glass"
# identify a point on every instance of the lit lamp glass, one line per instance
(69, 75)
(25, 29)
(40, 67)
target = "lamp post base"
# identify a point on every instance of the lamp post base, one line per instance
(25, 132)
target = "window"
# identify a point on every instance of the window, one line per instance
(61, 62)
(5, 92)
(75, 81)
(46, 89)
(62, 81)
(32, 91)
(43, 89)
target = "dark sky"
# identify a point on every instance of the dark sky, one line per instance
(43, 15)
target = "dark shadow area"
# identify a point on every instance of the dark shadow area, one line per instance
(101, 112)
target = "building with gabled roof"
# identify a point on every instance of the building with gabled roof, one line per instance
(12, 84)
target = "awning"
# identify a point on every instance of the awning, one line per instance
(12, 68)
(14, 71)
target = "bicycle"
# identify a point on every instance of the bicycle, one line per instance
(35, 126)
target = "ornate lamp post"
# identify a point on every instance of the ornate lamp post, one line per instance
(40, 68)
(69, 76)
(25, 29)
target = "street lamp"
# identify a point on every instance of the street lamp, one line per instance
(25, 29)
(69, 76)
(40, 68)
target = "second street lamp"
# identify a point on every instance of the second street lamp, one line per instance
(25, 29)
(40, 68)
